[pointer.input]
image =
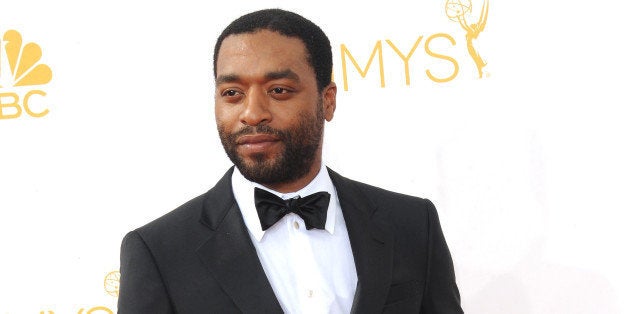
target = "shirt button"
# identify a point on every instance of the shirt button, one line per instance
(296, 225)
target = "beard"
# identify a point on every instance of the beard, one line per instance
(300, 142)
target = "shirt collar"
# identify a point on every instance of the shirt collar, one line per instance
(243, 190)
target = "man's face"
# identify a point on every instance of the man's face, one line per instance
(269, 112)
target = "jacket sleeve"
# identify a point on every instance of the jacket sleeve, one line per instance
(142, 290)
(441, 295)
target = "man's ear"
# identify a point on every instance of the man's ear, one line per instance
(329, 101)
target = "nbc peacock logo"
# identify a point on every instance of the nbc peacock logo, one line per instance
(21, 74)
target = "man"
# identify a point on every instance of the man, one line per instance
(280, 232)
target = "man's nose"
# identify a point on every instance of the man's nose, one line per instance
(256, 108)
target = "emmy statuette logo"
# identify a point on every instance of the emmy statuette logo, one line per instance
(20, 69)
(459, 11)
(112, 283)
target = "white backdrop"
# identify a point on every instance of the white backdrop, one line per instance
(527, 165)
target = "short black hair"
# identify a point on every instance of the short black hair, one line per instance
(288, 24)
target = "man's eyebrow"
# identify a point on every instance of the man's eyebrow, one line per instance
(227, 78)
(275, 75)
(287, 74)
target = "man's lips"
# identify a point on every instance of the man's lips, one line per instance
(256, 139)
(256, 143)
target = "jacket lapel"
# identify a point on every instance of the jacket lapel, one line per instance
(229, 254)
(371, 243)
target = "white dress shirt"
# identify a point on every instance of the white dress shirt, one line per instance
(310, 271)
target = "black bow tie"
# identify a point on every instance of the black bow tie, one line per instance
(312, 208)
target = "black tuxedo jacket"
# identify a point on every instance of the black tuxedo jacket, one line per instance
(199, 258)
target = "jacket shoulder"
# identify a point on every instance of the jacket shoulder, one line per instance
(379, 195)
(182, 215)
(193, 214)
(382, 199)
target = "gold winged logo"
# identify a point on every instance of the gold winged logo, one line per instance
(459, 11)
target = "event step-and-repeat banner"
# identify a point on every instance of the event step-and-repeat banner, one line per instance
(509, 116)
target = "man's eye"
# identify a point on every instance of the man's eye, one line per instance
(229, 93)
(278, 90)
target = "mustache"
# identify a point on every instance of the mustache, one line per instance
(258, 129)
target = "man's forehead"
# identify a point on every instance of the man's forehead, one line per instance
(262, 32)
(258, 43)
(263, 54)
